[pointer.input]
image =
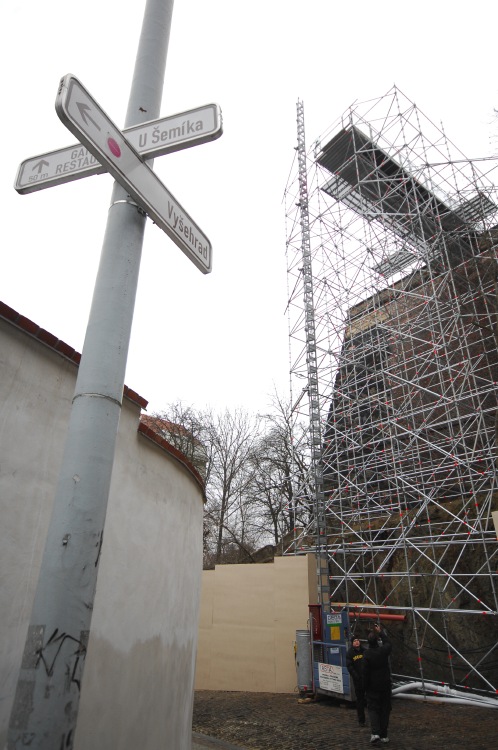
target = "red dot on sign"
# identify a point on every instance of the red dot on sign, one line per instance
(113, 147)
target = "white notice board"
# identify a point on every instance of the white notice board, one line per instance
(330, 678)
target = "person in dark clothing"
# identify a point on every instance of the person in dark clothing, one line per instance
(377, 679)
(354, 663)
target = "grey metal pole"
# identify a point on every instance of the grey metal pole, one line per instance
(45, 709)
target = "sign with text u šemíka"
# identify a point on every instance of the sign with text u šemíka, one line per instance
(151, 139)
(81, 114)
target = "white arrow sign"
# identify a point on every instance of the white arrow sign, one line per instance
(89, 123)
(151, 139)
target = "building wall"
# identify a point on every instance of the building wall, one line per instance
(248, 622)
(412, 373)
(138, 680)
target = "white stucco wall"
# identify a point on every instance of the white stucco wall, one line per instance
(138, 681)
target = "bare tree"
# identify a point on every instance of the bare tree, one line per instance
(280, 472)
(252, 471)
(232, 439)
(187, 429)
(218, 445)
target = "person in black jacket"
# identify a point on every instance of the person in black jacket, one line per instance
(354, 663)
(377, 678)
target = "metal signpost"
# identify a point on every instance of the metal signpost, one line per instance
(89, 123)
(45, 709)
(154, 138)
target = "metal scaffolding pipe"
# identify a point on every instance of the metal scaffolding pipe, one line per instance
(375, 616)
(443, 694)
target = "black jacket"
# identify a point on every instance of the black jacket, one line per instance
(376, 670)
(354, 663)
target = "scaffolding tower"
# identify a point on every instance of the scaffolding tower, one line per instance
(392, 244)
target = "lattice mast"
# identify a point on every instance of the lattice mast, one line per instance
(315, 425)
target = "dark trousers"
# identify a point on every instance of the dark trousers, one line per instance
(360, 700)
(379, 708)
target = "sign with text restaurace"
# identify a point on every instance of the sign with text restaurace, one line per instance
(95, 130)
(151, 139)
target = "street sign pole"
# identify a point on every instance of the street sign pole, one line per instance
(45, 709)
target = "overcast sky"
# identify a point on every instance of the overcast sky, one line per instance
(219, 339)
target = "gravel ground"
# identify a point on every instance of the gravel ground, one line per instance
(267, 721)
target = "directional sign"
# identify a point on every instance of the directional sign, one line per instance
(151, 139)
(89, 123)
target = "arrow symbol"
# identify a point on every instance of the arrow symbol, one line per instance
(84, 109)
(42, 163)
